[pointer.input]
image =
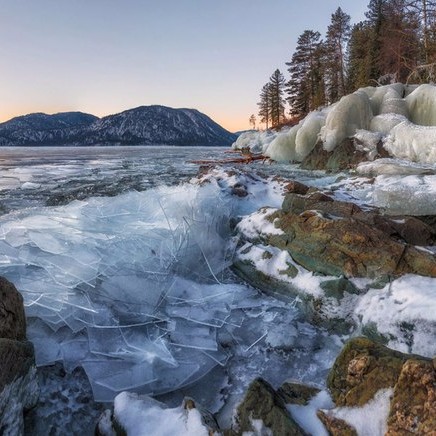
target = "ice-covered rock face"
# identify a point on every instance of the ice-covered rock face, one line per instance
(351, 113)
(299, 141)
(421, 104)
(410, 141)
(255, 141)
(403, 117)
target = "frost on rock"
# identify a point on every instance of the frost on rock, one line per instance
(351, 113)
(282, 147)
(384, 123)
(144, 416)
(402, 117)
(404, 312)
(410, 141)
(256, 141)
(390, 193)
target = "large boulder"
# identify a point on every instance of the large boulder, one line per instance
(364, 367)
(361, 370)
(18, 383)
(348, 247)
(413, 406)
(12, 317)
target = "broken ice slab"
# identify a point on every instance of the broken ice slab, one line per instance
(118, 375)
(128, 343)
(74, 351)
(46, 343)
(47, 242)
(188, 335)
(134, 289)
(137, 338)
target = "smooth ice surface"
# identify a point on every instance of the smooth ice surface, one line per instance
(421, 104)
(296, 143)
(351, 113)
(402, 117)
(410, 141)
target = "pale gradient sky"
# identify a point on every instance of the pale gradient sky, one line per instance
(105, 56)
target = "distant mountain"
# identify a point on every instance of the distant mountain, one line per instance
(145, 125)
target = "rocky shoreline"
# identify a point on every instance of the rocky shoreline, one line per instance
(350, 252)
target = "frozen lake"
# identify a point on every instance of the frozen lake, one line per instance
(123, 262)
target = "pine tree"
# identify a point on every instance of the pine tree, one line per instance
(426, 12)
(359, 57)
(338, 33)
(252, 121)
(306, 86)
(265, 105)
(276, 86)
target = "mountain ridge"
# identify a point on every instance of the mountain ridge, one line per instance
(143, 125)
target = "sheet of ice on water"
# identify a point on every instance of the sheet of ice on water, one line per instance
(127, 287)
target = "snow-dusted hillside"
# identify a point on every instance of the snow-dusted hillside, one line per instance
(145, 125)
(43, 129)
(158, 125)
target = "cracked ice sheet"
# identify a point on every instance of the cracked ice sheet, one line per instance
(112, 279)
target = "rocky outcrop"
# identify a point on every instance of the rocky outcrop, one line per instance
(262, 403)
(343, 157)
(18, 383)
(347, 246)
(339, 238)
(364, 367)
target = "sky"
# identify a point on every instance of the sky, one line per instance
(106, 56)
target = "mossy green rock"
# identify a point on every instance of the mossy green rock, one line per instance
(336, 426)
(296, 393)
(362, 369)
(347, 247)
(262, 402)
(343, 157)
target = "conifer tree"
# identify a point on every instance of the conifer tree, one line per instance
(305, 89)
(359, 57)
(265, 105)
(338, 33)
(276, 87)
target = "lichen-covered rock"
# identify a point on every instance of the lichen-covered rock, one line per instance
(347, 247)
(336, 426)
(413, 406)
(296, 393)
(343, 157)
(362, 369)
(261, 402)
